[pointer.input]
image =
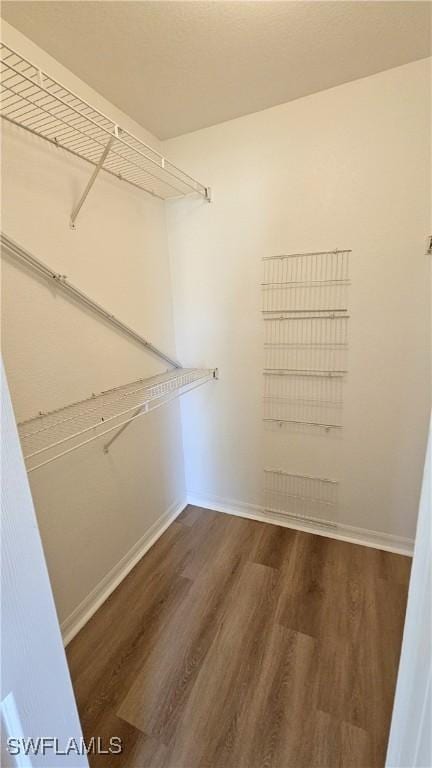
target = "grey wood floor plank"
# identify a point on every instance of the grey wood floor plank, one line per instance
(229, 674)
(236, 644)
(161, 689)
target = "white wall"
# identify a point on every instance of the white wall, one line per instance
(345, 168)
(36, 692)
(410, 742)
(92, 508)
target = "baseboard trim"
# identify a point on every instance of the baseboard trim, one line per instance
(363, 536)
(85, 610)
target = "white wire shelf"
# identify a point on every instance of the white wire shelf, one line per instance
(33, 100)
(302, 497)
(312, 401)
(312, 343)
(306, 283)
(49, 436)
(306, 322)
(332, 259)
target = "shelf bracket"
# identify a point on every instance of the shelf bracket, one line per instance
(140, 410)
(92, 179)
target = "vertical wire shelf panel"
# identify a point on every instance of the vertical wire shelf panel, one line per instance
(311, 343)
(309, 400)
(305, 300)
(36, 102)
(302, 497)
(302, 283)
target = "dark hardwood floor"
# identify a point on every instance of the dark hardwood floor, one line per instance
(238, 644)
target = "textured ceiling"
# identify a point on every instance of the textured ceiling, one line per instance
(179, 66)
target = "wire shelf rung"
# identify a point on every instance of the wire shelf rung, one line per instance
(301, 496)
(33, 100)
(58, 432)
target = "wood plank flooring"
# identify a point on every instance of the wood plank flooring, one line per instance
(239, 644)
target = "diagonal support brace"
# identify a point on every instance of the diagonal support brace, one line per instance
(142, 409)
(145, 409)
(92, 180)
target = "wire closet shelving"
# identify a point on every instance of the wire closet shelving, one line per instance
(49, 436)
(35, 101)
(306, 329)
(301, 497)
(306, 320)
(311, 401)
(306, 283)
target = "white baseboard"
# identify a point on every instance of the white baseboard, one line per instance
(85, 610)
(367, 538)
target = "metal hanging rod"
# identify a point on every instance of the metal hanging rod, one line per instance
(309, 253)
(33, 100)
(17, 252)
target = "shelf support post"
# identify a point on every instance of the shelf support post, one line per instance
(92, 179)
(143, 409)
(140, 410)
